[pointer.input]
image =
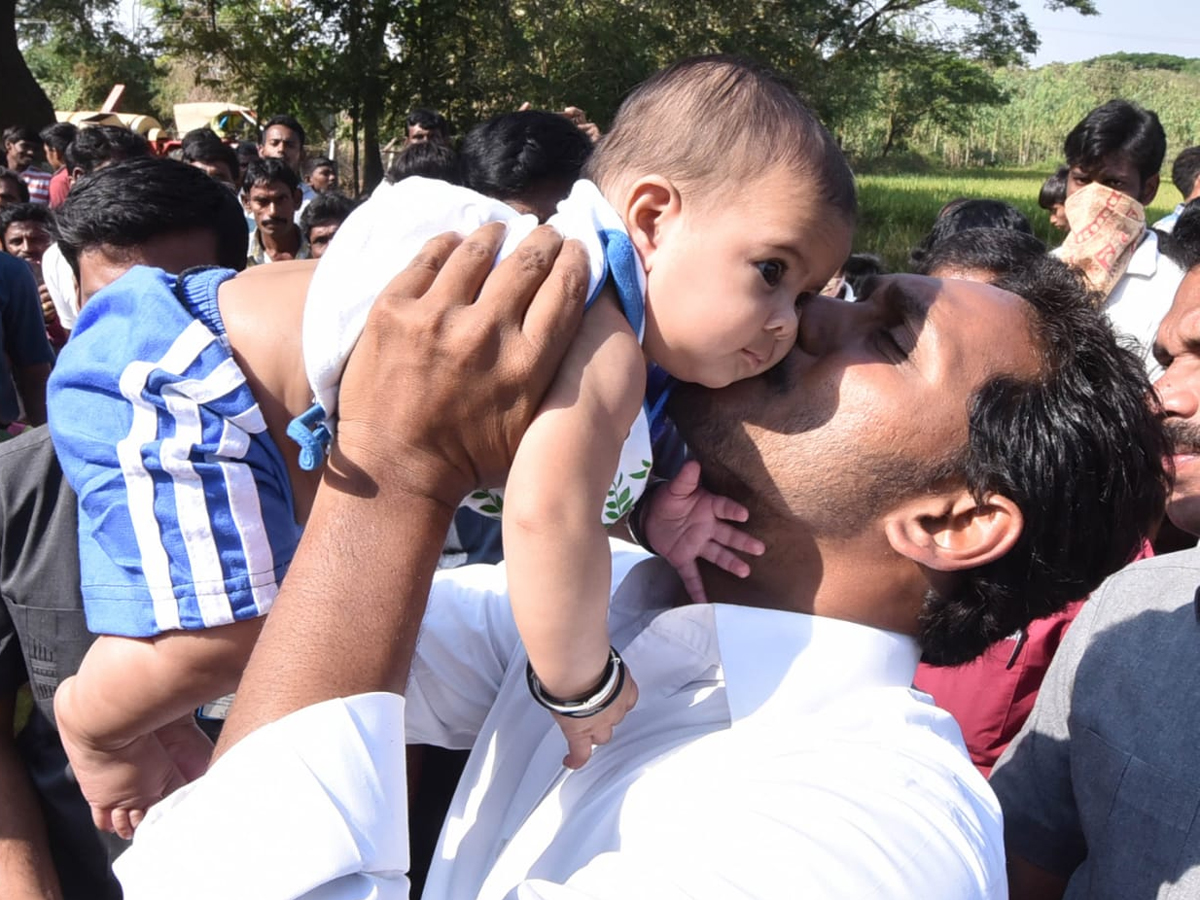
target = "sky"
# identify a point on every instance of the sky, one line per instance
(1132, 26)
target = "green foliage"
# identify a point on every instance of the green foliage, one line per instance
(1046, 103)
(77, 69)
(1164, 61)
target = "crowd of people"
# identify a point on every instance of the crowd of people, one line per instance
(689, 553)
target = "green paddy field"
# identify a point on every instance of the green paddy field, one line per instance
(895, 211)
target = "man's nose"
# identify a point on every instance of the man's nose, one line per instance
(1178, 395)
(822, 322)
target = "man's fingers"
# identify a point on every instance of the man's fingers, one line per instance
(469, 265)
(556, 310)
(522, 273)
(417, 277)
(135, 818)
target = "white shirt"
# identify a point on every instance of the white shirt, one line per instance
(60, 281)
(771, 754)
(1142, 297)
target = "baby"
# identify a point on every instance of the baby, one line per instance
(714, 204)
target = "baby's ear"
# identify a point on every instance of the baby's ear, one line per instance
(652, 204)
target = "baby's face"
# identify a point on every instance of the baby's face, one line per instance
(725, 278)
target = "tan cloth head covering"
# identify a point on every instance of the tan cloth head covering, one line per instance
(1106, 228)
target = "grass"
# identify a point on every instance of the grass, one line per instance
(896, 211)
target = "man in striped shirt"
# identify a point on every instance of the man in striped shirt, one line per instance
(22, 146)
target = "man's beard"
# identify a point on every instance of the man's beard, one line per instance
(836, 487)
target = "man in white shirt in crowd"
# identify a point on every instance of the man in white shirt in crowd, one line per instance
(1121, 145)
(920, 486)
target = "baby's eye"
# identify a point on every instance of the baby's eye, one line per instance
(772, 271)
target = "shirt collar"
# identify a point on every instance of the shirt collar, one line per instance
(805, 661)
(768, 656)
(1144, 262)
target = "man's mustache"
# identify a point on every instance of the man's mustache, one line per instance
(1184, 436)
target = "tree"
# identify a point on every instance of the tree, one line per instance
(22, 101)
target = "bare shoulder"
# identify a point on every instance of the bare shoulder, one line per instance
(263, 312)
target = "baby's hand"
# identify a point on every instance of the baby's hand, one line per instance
(583, 734)
(121, 783)
(685, 522)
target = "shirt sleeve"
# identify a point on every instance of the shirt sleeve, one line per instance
(1033, 777)
(25, 339)
(310, 806)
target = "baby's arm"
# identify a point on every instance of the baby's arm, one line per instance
(125, 718)
(556, 546)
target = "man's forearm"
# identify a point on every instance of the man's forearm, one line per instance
(26, 867)
(323, 636)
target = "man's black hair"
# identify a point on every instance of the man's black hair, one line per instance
(99, 145)
(1078, 447)
(14, 176)
(428, 159)
(287, 122)
(203, 145)
(25, 212)
(994, 251)
(1185, 170)
(858, 267)
(429, 120)
(1054, 189)
(1118, 127)
(962, 214)
(246, 151)
(14, 134)
(325, 209)
(130, 202)
(264, 171)
(58, 136)
(513, 154)
(1182, 245)
(315, 162)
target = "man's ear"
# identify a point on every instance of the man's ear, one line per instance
(651, 203)
(950, 532)
(1149, 190)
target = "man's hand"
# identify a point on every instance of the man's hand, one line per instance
(686, 522)
(121, 783)
(577, 116)
(434, 400)
(49, 313)
(444, 415)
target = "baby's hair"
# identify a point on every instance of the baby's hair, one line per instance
(710, 121)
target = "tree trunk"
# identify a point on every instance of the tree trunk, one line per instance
(22, 102)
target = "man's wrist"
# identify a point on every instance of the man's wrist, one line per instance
(403, 474)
